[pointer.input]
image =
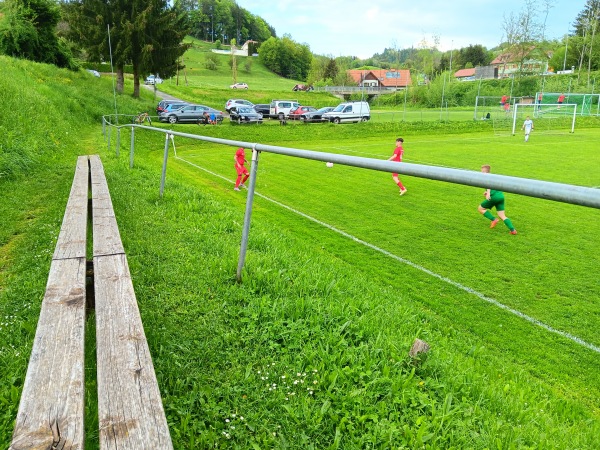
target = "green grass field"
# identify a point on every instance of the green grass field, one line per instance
(342, 274)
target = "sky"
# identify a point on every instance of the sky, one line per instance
(363, 28)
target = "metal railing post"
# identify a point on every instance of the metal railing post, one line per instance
(131, 147)
(248, 214)
(118, 141)
(108, 138)
(103, 126)
(164, 168)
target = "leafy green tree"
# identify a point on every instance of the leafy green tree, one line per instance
(146, 33)
(476, 55)
(331, 70)
(286, 57)
(29, 31)
(587, 30)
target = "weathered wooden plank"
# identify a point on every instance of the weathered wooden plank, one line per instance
(107, 240)
(130, 410)
(52, 402)
(72, 237)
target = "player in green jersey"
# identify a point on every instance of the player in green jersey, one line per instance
(494, 199)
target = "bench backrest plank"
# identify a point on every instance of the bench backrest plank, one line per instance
(130, 410)
(51, 409)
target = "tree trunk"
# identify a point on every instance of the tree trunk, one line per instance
(120, 79)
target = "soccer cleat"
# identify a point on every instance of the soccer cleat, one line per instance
(402, 191)
(236, 188)
(494, 222)
(513, 231)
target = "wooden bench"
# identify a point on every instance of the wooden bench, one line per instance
(51, 410)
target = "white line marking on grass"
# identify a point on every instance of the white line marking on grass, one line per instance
(417, 266)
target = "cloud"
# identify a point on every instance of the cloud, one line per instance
(359, 28)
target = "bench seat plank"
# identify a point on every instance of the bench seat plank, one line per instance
(51, 408)
(130, 410)
(74, 226)
(107, 240)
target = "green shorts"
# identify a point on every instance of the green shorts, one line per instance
(496, 201)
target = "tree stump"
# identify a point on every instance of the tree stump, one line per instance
(418, 347)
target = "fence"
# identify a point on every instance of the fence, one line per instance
(576, 195)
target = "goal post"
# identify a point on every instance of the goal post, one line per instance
(554, 117)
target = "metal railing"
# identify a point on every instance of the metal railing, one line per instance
(566, 193)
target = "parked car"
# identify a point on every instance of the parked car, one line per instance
(239, 86)
(297, 112)
(190, 114)
(279, 109)
(262, 108)
(153, 79)
(302, 87)
(94, 72)
(233, 103)
(173, 106)
(244, 114)
(315, 116)
(162, 105)
(349, 112)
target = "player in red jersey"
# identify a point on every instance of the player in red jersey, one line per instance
(242, 172)
(397, 156)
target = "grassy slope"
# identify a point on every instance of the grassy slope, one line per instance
(311, 303)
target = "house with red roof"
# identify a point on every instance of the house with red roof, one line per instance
(465, 74)
(381, 78)
(527, 61)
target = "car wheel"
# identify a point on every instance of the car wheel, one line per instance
(364, 119)
(336, 120)
(239, 120)
(281, 116)
(172, 119)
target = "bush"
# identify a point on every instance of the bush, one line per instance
(212, 62)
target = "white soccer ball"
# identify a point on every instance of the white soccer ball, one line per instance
(329, 164)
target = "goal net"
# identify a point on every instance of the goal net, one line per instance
(548, 117)
(587, 104)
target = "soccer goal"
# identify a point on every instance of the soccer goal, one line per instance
(550, 117)
(587, 104)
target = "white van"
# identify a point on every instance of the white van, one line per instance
(279, 109)
(349, 112)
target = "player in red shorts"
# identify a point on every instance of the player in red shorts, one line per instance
(242, 172)
(397, 156)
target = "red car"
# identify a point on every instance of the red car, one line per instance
(297, 112)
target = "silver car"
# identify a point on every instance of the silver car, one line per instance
(191, 114)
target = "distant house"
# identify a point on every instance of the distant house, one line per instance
(525, 61)
(381, 78)
(465, 74)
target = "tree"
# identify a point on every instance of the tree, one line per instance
(523, 34)
(586, 29)
(476, 55)
(29, 31)
(286, 57)
(145, 33)
(331, 70)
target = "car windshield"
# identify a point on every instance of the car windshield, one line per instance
(245, 110)
(339, 108)
(327, 108)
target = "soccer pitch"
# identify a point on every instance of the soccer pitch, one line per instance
(548, 272)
